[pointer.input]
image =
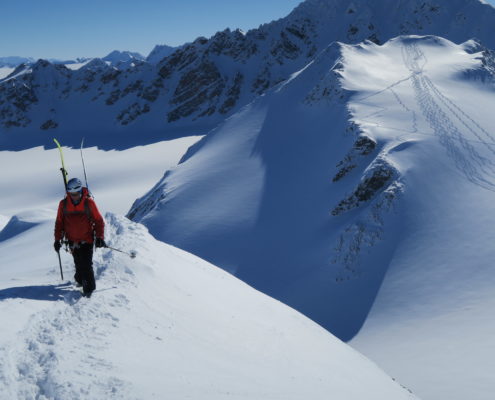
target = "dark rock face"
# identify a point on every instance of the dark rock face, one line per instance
(373, 183)
(50, 124)
(198, 89)
(363, 146)
(232, 94)
(132, 112)
(16, 98)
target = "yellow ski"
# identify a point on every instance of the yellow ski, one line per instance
(63, 170)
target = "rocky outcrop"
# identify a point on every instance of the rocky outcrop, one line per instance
(50, 124)
(486, 70)
(363, 146)
(375, 180)
(16, 99)
(233, 94)
(358, 238)
(198, 91)
(132, 112)
(372, 199)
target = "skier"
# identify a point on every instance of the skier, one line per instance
(81, 224)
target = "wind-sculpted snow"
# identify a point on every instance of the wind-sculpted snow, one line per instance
(14, 227)
(432, 113)
(252, 193)
(448, 121)
(345, 166)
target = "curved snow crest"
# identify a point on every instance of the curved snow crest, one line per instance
(327, 89)
(168, 324)
(203, 208)
(14, 227)
(20, 223)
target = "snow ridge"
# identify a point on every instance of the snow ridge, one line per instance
(169, 324)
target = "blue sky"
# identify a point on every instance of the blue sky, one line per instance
(66, 29)
(93, 28)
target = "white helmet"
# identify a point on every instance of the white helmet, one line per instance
(74, 186)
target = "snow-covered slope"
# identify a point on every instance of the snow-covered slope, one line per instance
(265, 197)
(315, 206)
(436, 303)
(201, 83)
(165, 324)
(5, 71)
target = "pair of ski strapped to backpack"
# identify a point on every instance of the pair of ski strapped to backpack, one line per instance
(64, 177)
(63, 170)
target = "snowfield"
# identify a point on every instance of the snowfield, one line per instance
(115, 177)
(5, 71)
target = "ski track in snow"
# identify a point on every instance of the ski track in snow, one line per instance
(441, 113)
(33, 367)
(408, 110)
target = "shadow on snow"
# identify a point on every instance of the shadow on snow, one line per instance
(39, 292)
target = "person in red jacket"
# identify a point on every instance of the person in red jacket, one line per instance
(81, 224)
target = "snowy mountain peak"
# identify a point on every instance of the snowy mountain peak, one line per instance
(116, 57)
(200, 84)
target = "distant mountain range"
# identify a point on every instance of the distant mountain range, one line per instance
(114, 58)
(193, 88)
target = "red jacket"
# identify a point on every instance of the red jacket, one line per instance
(78, 222)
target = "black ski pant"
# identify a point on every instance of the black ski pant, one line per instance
(83, 260)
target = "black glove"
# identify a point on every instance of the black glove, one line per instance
(57, 245)
(99, 242)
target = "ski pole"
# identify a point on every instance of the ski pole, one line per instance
(132, 254)
(60, 264)
(84, 167)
